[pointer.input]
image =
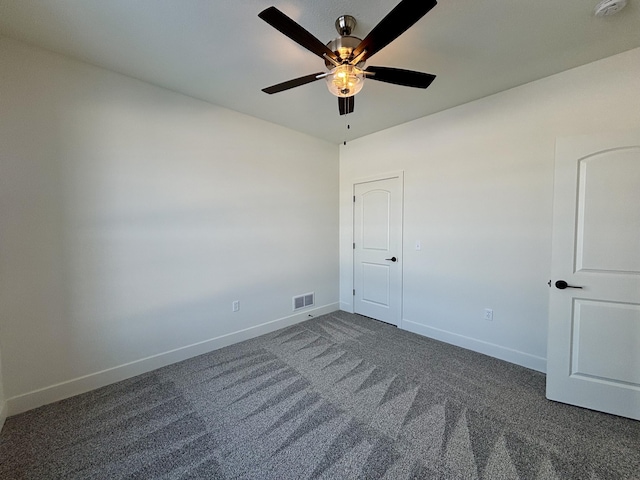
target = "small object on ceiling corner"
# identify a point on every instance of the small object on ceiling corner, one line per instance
(606, 8)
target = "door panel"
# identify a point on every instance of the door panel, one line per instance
(377, 231)
(593, 357)
(375, 284)
(604, 341)
(376, 226)
(608, 233)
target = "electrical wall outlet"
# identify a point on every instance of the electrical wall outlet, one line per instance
(488, 314)
(235, 306)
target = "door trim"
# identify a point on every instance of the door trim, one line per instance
(369, 179)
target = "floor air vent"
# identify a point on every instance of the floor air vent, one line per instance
(302, 301)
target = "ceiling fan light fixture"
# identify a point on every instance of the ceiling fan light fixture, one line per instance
(345, 80)
(345, 56)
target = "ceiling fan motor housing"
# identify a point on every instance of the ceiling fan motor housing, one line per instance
(343, 46)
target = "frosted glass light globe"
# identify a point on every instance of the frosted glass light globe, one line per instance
(345, 80)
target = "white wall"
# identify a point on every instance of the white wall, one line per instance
(131, 217)
(478, 194)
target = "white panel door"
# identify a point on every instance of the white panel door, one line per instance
(593, 357)
(377, 233)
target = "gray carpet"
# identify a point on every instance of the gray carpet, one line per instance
(339, 396)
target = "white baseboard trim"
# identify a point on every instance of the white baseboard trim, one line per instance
(497, 351)
(3, 414)
(76, 386)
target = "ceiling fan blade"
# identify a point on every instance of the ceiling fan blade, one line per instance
(407, 78)
(397, 21)
(296, 82)
(295, 32)
(346, 104)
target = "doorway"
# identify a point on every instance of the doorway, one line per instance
(377, 249)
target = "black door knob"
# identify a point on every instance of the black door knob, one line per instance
(561, 284)
(393, 259)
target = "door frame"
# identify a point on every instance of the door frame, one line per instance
(370, 179)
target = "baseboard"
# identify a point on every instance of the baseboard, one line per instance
(497, 351)
(76, 386)
(3, 414)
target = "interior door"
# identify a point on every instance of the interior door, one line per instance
(593, 357)
(377, 247)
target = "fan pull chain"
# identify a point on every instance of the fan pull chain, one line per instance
(346, 129)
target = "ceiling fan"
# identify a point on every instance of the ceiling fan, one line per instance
(345, 56)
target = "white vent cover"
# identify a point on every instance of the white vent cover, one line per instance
(302, 301)
(609, 7)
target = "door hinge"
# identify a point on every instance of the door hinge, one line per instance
(354, 199)
(354, 245)
(354, 291)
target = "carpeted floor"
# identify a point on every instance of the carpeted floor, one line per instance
(339, 396)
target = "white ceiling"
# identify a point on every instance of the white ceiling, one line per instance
(221, 52)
